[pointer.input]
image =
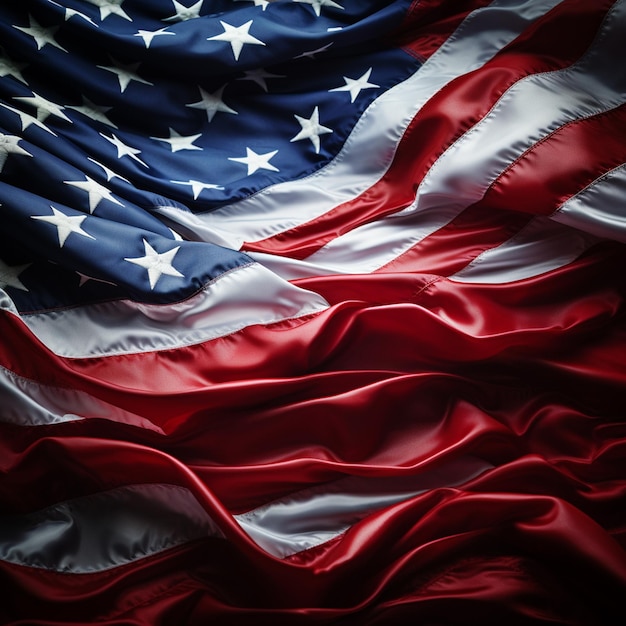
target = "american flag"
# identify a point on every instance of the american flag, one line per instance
(312, 312)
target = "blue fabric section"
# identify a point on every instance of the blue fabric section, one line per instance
(107, 113)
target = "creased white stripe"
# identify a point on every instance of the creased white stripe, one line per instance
(600, 208)
(370, 148)
(363, 250)
(243, 297)
(540, 247)
(105, 530)
(527, 112)
(29, 403)
(113, 528)
(291, 269)
(369, 247)
(312, 517)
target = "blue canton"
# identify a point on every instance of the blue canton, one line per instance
(110, 109)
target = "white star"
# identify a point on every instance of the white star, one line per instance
(125, 73)
(26, 119)
(41, 34)
(65, 224)
(178, 142)
(318, 4)
(311, 129)
(156, 264)
(354, 86)
(69, 13)
(95, 190)
(11, 68)
(184, 13)
(212, 103)
(257, 3)
(110, 174)
(92, 111)
(237, 36)
(149, 35)
(8, 144)
(44, 107)
(9, 275)
(258, 76)
(312, 53)
(110, 7)
(256, 161)
(196, 186)
(123, 149)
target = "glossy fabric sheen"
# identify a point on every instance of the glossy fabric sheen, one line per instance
(465, 170)
(83, 536)
(100, 532)
(29, 403)
(338, 181)
(538, 248)
(310, 518)
(598, 208)
(380, 384)
(126, 327)
(463, 173)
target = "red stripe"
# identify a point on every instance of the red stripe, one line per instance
(282, 445)
(552, 43)
(537, 183)
(434, 546)
(555, 169)
(484, 330)
(452, 247)
(294, 348)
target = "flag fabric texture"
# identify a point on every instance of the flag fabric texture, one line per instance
(313, 312)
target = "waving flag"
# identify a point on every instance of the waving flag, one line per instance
(312, 312)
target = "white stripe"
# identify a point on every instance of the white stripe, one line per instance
(29, 403)
(600, 208)
(243, 297)
(370, 148)
(113, 528)
(105, 530)
(363, 250)
(541, 246)
(291, 269)
(315, 516)
(527, 112)
(369, 247)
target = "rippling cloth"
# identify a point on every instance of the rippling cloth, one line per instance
(313, 312)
